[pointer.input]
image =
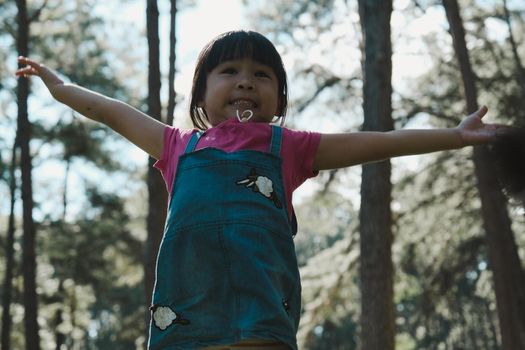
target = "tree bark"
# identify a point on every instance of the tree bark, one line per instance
(517, 61)
(509, 277)
(29, 236)
(375, 217)
(9, 255)
(171, 74)
(156, 189)
(60, 338)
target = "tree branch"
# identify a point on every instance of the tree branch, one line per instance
(37, 12)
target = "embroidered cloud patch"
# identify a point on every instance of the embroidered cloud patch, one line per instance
(262, 185)
(164, 316)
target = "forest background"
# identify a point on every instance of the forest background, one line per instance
(423, 252)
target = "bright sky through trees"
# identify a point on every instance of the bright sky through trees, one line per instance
(197, 24)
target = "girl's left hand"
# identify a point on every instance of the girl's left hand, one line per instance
(473, 131)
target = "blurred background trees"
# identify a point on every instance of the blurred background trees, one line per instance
(90, 196)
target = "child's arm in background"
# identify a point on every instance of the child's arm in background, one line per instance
(142, 130)
(343, 150)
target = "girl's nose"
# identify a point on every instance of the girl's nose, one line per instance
(245, 83)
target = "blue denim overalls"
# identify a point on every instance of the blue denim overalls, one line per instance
(227, 268)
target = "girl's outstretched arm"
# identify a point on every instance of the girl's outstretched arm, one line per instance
(343, 150)
(142, 130)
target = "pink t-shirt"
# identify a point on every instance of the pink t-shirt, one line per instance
(298, 149)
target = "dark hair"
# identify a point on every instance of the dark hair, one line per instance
(508, 152)
(231, 46)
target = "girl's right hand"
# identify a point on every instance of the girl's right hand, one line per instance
(49, 77)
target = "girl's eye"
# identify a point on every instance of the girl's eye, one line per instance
(262, 74)
(229, 70)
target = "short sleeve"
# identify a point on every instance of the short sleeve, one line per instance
(161, 163)
(298, 152)
(175, 141)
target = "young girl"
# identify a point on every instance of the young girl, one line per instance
(226, 274)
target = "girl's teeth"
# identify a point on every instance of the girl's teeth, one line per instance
(244, 104)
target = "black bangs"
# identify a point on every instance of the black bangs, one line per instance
(243, 44)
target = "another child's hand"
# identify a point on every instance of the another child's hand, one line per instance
(473, 131)
(49, 77)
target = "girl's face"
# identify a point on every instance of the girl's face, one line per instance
(239, 85)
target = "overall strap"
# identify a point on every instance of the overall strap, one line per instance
(275, 143)
(190, 147)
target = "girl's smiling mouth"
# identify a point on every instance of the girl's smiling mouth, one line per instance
(243, 104)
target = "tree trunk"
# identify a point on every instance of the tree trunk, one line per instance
(60, 338)
(171, 73)
(520, 76)
(29, 236)
(156, 188)
(509, 277)
(64, 194)
(376, 270)
(9, 255)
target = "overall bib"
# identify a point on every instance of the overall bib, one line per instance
(226, 269)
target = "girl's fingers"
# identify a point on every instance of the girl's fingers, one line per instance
(25, 72)
(29, 69)
(482, 111)
(38, 69)
(25, 60)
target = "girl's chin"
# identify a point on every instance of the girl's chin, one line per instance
(259, 119)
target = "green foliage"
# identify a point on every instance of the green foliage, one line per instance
(319, 41)
(74, 40)
(443, 289)
(331, 297)
(84, 140)
(323, 224)
(327, 251)
(90, 261)
(97, 254)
